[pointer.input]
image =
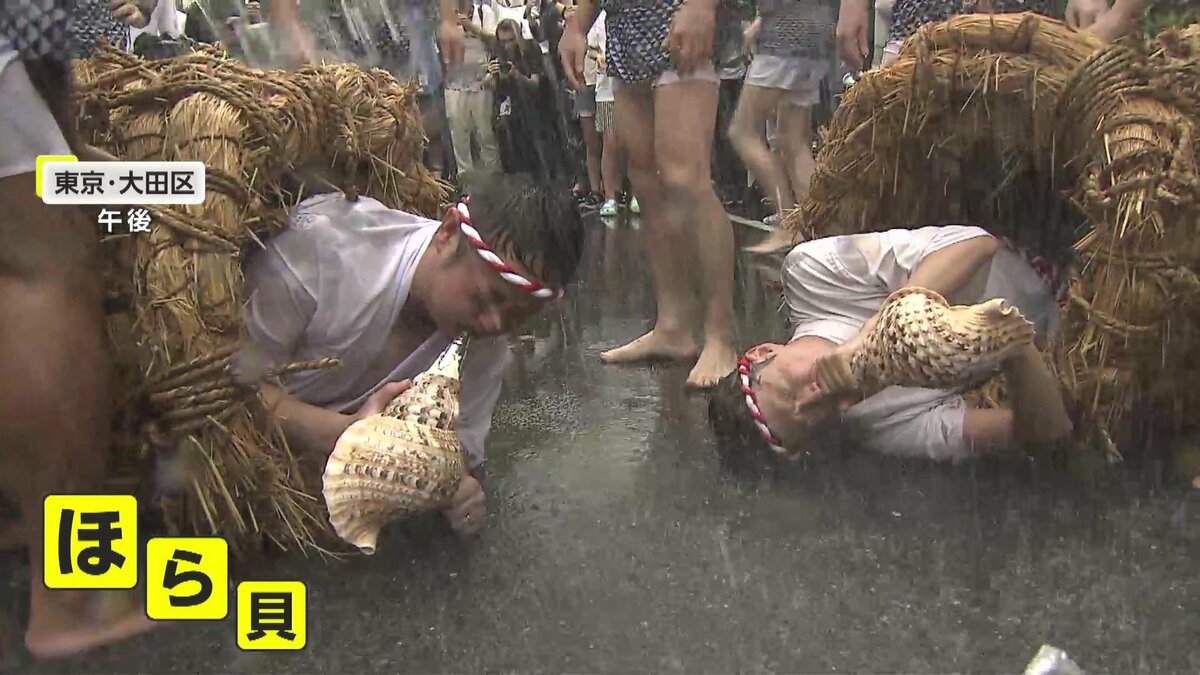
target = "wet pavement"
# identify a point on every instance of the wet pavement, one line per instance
(617, 544)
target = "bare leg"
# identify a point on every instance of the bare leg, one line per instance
(663, 238)
(684, 112)
(612, 165)
(748, 134)
(55, 402)
(795, 141)
(591, 141)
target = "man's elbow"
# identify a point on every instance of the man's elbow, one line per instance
(1050, 432)
(986, 247)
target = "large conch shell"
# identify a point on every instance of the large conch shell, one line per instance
(403, 461)
(921, 341)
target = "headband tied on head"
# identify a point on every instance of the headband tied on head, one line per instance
(489, 256)
(760, 421)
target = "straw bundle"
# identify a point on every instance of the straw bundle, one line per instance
(961, 128)
(1079, 152)
(177, 326)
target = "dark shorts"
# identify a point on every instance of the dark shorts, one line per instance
(585, 102)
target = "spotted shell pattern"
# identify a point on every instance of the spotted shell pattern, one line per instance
(922, 341)
(403, 461)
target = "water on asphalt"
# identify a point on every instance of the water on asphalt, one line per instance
(617, 543)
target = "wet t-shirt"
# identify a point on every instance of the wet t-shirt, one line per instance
(333, 285)
(834, 285)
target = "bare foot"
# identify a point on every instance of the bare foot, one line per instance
(75, 622)
(653, 346)
(716, 361)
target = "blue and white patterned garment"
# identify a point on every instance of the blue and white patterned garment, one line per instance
(638, 29)
(92, 20)
(36, 29)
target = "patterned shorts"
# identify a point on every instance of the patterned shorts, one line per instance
(37, 29)
(606, 117)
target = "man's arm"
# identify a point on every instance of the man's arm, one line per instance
(483, 380)
(584, 16)
(853, 18)
(1038, 415)
(1119, 20)
(309, 430)
(948, 270)
(483, 25)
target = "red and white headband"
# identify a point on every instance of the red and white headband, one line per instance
(744, 369)
(489, 256)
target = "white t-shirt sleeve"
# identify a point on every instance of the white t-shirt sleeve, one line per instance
(932, 433)
(824, 298)
(892, 256)
(486, 19)
(482, 381)
(596, 36)
(278, 308)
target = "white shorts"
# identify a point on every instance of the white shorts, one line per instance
(704, 74)
(800, 77)
(27, 127)
(890, 52)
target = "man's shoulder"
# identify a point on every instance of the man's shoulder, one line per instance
(329, 228)
(333, 215)
(814, 248)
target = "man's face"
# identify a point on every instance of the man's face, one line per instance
(786, 388)
(471, 297)
(506, 37)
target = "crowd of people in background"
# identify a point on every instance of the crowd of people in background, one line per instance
(511, 106)
(608, 100)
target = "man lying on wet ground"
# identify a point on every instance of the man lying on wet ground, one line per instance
(834, 289)
(386, 292)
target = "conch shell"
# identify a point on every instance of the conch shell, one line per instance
(921, 341)
(403, 461)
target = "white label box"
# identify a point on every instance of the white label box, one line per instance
(112, 183)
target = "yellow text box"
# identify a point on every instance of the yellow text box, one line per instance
(41, 161)
(90, 541)
(187, 579)
(272, 615)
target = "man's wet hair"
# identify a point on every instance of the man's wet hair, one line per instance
(740, 445)
(537, 224)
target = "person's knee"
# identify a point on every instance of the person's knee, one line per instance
(743, 125)
(685, 175)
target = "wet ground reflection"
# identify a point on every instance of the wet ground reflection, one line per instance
(617, 544)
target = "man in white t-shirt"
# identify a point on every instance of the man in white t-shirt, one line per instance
(834, 288)
(385, 292)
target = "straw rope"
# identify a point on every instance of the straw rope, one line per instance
(176, 328)
(1081, 152)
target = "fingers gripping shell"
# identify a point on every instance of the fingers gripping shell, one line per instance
(921, 341)
(404, 461)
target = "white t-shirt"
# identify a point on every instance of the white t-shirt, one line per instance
(27, 127)
(333, 285)
(832, 286)
(598, 36)
(595, 40)
(516, 13)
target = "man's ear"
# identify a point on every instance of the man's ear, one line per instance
(761, 352)
(447, 233)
